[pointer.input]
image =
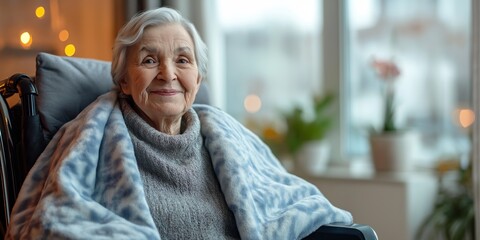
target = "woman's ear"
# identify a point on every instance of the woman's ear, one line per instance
(124, 86)
(199, 81)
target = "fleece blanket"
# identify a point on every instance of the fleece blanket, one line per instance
(86, 184)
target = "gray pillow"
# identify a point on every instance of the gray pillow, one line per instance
(66, 85)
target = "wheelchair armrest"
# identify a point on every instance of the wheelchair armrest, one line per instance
(343, 232)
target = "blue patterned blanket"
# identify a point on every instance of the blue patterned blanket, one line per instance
(86, 184)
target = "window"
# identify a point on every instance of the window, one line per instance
(272, 56)
(277, 54)
(429, 40)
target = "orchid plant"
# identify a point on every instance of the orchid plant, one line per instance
(387, 71)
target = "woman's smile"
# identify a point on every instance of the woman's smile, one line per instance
(166, 92)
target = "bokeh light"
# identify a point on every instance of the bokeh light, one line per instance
(70, 50)
(26, 40)
(63, 35)
(466, 117)
(252, 103)
(40, 12)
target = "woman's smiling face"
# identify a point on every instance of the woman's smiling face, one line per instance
(162, 74)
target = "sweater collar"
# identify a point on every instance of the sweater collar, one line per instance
(187, 139)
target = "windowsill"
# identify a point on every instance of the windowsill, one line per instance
(364, 172)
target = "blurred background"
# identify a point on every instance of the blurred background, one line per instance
(270, 58)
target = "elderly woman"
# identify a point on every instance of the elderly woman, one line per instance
(143, 162)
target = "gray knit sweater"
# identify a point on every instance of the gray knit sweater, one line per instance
(181, 188)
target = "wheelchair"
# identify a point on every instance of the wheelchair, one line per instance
(60, 89)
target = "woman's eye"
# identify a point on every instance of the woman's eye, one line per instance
(149, 62)
(183, 60)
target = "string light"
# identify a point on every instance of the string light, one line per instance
(63, 35)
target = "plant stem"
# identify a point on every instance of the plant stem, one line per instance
(389, 123)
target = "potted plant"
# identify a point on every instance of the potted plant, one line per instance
(303, 138)
(392, 149)
(453, 216)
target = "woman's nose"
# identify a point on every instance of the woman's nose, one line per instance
(166, 72)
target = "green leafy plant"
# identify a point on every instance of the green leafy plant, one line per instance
(453, 215)
(301, 129)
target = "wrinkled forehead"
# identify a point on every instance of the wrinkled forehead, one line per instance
(163, 37)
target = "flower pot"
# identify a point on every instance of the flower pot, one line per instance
(393, 151)
(312, 158)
